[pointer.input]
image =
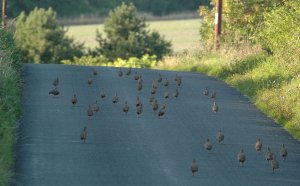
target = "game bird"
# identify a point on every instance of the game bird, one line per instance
(136, 76)
(208, 145)
(176, 93)
(269, 154)
(194, 167)
(162, 111)
(139, 86)
(102, 93)
(126, 107)
(205, 92)
(258, 145)
(274, 163)
(166, 82)
(139, 110)
(215, 107)
(54, 91)
(115, 99)
(213, 94)
(90, 81)
(241, 157)
(166, 94)
(220, 136)
(120, 72)
(159, 79)
(84, 134)
(90, 112)
(55, 82)
(179, 81)
(128, 71)
(94, 71)
(138, 102)
(96, 107)
(283, 152)
(155, 105)
(74, 99)
(151, 98)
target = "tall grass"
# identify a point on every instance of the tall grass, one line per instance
(276, 91)
(10, 93)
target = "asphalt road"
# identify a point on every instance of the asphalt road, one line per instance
(123, 149)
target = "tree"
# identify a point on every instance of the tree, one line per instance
(42, 40)
(127, 36)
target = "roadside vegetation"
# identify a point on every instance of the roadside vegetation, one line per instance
(10, 104)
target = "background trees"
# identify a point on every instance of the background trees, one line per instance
(127, 36)
(42, 40)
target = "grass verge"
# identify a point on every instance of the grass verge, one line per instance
(10, 104)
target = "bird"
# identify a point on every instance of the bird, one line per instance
(269, 154)
(128, 71)
(215, 107)
(120, 72)
(176, 93)
(126, 107)
(274, 163)
(283, 152)
(162, 111)
(136, 76)
(139, 86)
(102, 93)
(55, 82)
(205, 92)
(153, 90)
(166, 94)
(84, 134)
(258, 145)
(155, 105)
(151, 98)
(241, 157)
(94, 71)
(220, 136)
(176, 77)
(90, 112)
(54, 91)
(115, 99)
(166, 82)
(208, 145)
(96, 107)
(154, 85)
(90, 81)
(213, 94)
(74, 99)
(179, 81)
(139, 110)
(194, 167)
(140, 80)
(159, 79)
(138, 101)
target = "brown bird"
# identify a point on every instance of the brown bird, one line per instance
(153, 91)
(208, 145)
(176, 93)
(139, 110)
(90, 81)
(96, 107)
(159, 79)
(194, 167)
(74, 99)
(241, 157)
(139, 86)
(179, 81)
(258, 145)
(215, 107)
(102, 93)
(154, 85)
(138, 102)
(84, 134)
(166, 82)
(176, 77)
(94, 71)
(120, 72)
(151, 98)
(155, 105)
(166, 94)
(205, 92)
(269, 155)
(162, 111)
(140, 80)
(54, 91)
(115, 99)
(55, 82)
(136, 76)
(126, 107)
(283, 152)
(274, 163)
(90, 112)
(128, 71)
(213, 94)
(220, 136)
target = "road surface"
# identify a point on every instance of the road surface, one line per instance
(123, 149)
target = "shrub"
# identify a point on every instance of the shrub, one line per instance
(126, 36)
(42, 40)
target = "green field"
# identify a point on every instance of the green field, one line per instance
(184, 34)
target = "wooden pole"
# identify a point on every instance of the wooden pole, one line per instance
(4, 12)
(218, 23)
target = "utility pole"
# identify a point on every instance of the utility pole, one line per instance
(4, 12)
(218, 23)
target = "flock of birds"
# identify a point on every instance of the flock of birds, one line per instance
(161, 111)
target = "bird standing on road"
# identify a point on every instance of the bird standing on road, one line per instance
(213, 94)
(96, 107)
(139, 110)
(155, 105)
(176, 93)
(94, 71)
(205, 92)
(166, 94)
(126, 107)
(54, 91)
(138, 101)
(115, 99)
(220, 136)
(179, 81)
(241, 157)
(269, 155)
(74, 99)
(166, 82)
(139, 86)
(215, 107)
(208, 145)
(194, 167)
(159, 79)
(84, 134)
(258, 145)
(136, 76)
(151, 98)
(120, 72)
(162, 111)
(102, 93)
(128, 71)
(55, 82)
(283, 152)
(90, 81)
(274, 163)
(90, 112)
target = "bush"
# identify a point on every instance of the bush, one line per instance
(42, 40)
(126, 36)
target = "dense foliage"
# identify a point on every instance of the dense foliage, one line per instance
(75, 8)
(42, 40)
(127, 36)
(10, 107)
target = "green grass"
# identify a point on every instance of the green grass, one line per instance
(184, 34)
(10, 105)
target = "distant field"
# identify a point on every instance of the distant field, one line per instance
(184, 34)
